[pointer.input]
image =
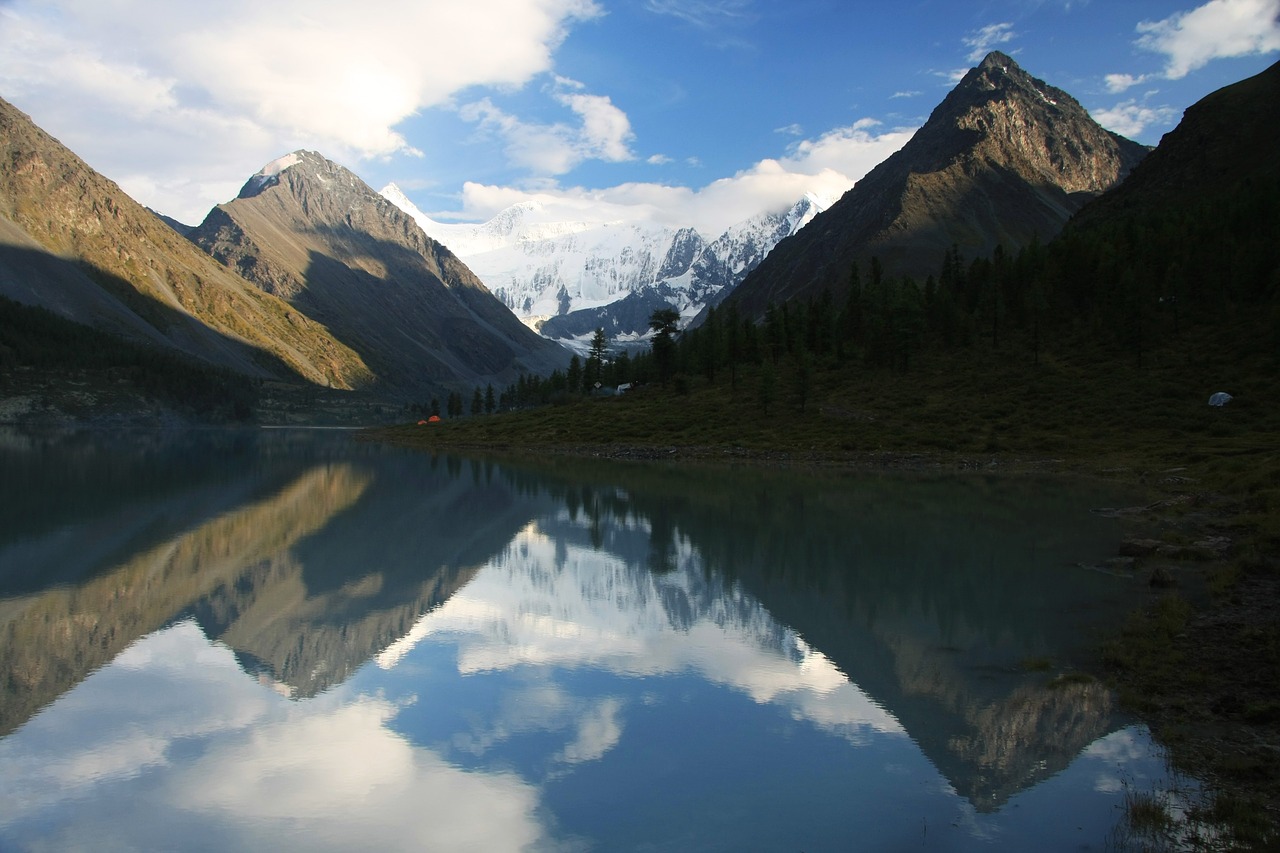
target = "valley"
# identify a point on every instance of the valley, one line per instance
(1016, 290)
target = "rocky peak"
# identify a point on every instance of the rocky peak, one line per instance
(685, 248)
(312, 232)
(319, 190)
(1003, 159)
(1015, 120)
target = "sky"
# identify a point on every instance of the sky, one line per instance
(683, 112)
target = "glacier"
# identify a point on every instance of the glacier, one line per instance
(565, 279)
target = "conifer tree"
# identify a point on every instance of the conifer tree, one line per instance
(663, 323)
(573, 379)
(593, 370)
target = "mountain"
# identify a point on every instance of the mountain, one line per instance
(1004, 159)
(566, 279)
(1225, 145)
(309, 231)
(72, 242)
(714, 270)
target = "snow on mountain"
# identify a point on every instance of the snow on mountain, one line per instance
(566, 279)
(269, 175)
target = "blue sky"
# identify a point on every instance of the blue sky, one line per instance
(699, 112)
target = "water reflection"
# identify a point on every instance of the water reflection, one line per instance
(449, 653)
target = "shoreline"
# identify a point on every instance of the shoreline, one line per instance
(1184, 666)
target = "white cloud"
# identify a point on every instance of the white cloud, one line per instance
(826, 166)
(545, 149)
(1131, 118)
(603, 132)
(1215, 30)
(984, 40)
(1117, 83)
(606, 131)
(242, 81)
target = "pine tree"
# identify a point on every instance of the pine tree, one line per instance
(593, 371)
(663, 323)
(573, 379)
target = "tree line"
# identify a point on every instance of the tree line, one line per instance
(35, 338)
(1123, 284)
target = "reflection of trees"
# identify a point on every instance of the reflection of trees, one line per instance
(927, 592)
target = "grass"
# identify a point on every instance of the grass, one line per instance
(1091, 411)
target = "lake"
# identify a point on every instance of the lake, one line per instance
(291, 640)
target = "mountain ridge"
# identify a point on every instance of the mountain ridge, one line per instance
(73, 242)
(1003, 159)
(568, 278)
(1222, 142)
(313, 233)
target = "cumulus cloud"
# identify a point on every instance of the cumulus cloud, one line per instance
(605, 132)
(602, 131)
(1117, 83)
(1131, 118)
(1215, 30)
(256, 79)
(986, 39)
(826, 166)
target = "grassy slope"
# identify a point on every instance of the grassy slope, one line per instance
(1092, 411)
(1204, 677)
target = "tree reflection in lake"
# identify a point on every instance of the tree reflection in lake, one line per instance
(450, 652)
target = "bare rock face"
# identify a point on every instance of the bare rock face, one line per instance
(311, 232)
(1004, 159)
(73, 242)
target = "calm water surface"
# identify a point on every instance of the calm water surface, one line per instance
(293, 641)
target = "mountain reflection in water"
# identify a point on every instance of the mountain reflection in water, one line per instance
(586, 655)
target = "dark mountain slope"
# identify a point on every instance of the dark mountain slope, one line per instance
(1227, 140)
(1193, 236)
(72, 242)
(311, 232)
(1003, 159)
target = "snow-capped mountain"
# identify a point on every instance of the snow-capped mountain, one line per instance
(566, 279)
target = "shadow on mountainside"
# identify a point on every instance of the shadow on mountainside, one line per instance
(389, 303)
(86, 343)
